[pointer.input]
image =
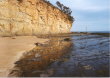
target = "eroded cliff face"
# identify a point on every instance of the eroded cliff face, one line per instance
(31, 17)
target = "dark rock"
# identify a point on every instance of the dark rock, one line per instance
(40, 44)
(67, 39)
(13, 38)
(17, 62)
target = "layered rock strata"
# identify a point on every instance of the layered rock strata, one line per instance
(32, 17)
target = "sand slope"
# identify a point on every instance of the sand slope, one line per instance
(12, 48)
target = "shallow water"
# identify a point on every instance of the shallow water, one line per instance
(84, 56)
(89, 58)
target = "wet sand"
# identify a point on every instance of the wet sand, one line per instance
(12, 48)
(82, 56)
(79, 56)
(34, 62)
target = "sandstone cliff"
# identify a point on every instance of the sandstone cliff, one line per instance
(31, 17)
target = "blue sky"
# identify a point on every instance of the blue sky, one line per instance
(90, 14)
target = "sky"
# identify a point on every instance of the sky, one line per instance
(90, 15)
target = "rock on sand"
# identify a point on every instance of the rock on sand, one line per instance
(12, 48)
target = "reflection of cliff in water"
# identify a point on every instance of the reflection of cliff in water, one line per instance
(36, 61)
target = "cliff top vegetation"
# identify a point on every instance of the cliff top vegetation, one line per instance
(63, 9)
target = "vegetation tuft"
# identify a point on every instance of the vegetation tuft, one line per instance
(63, 8)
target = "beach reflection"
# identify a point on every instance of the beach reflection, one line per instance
(83, 56)
(36, 62)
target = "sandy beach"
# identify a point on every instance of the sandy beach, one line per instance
(12, 48)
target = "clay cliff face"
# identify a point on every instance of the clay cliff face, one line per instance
(31, 17)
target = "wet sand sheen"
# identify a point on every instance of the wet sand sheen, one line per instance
(12, 48)
(34, 62)
(79, 56)
(84, 55)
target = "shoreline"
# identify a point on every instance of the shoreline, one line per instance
(34, 62)
(12, 48)
(91, 33)
(38, 61)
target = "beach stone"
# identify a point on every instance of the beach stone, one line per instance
(43, 44)
(67, 39)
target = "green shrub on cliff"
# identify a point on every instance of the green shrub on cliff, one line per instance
(66, 10)
(63, 8)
